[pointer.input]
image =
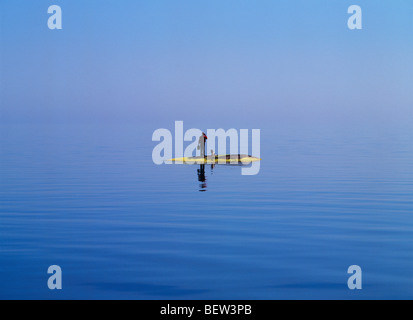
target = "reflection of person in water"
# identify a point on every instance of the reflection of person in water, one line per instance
(201, 170)
(201, 173)
(201, 177)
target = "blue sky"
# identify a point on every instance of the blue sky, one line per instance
(233, 61)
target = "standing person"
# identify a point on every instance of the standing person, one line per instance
(213, 159)
(212, 154)
(201, 144)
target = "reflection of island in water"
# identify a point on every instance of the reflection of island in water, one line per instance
(213, 162)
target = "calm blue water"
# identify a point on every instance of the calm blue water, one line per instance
(89, 199)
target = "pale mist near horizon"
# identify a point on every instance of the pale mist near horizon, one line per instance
(210, 63)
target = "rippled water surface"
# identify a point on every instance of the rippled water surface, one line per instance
(90, 199)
